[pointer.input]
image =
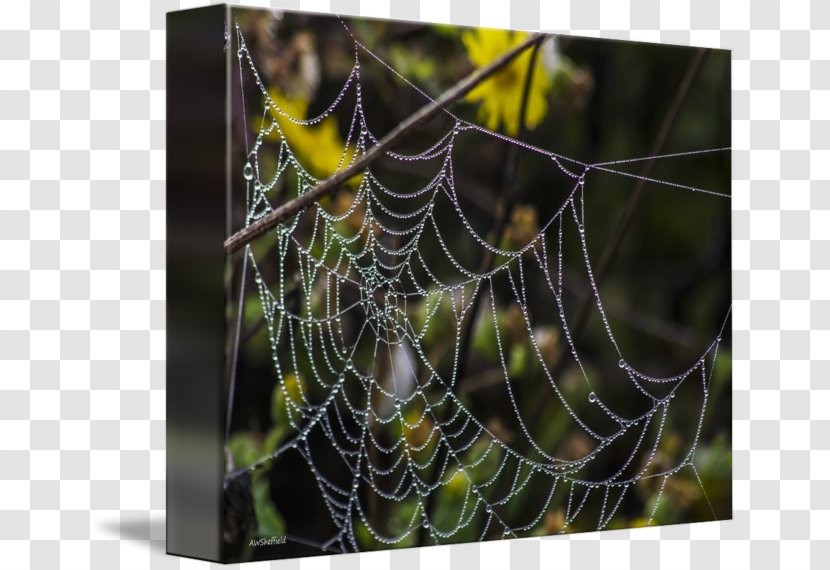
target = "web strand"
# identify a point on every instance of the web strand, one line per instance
(351, 360)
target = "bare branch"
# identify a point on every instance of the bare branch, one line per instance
(503, 211)
(456, 92)
(504, 208)
(631, 207)
(580, 319)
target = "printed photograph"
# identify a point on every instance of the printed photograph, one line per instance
(478, 285)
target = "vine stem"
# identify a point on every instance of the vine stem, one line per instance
(503, 211)
(454, 93)
(609, 253)
(636, 197)
(235, 353)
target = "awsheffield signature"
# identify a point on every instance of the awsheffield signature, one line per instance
(269, 541)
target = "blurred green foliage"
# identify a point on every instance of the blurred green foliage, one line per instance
(666, 294)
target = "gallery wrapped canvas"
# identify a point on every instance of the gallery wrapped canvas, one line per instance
(430, 284)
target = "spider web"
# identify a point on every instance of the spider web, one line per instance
(354, 297)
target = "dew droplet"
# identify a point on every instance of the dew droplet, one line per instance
(489, 509)
(622, 363)
(581, 229)
(248, 171)
(426, 524)
(592, 397)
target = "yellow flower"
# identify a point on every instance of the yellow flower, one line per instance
(319, 147)
(524, 226)
(418, 428)
(554, 521)
(501, 94)
(457, 484)
(293, 387)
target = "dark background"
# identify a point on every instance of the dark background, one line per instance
(666, 291)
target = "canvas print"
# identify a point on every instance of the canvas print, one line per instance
(477, 285)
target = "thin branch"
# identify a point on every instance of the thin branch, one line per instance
(705, 494)
(491, 377)
(235, 353)
(636, 197)
(504, 208)
(261, 226)
(307, 542)
(581, 318)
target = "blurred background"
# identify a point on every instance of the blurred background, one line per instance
(661, 256)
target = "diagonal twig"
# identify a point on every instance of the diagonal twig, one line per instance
(457, 91)
(503, 209)
(580, 319)
(636, 197)
(235, 352)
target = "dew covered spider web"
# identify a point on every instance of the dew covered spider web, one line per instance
(350, 297)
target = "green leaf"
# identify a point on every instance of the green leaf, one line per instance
(273, 439)
(243, 449)
(269, 521)
(485, 342)
(519, 360)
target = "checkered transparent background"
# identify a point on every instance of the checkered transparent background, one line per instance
(82, 273)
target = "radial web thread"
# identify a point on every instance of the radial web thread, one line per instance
(337, 293)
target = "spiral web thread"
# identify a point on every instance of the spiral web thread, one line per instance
(363, 280)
